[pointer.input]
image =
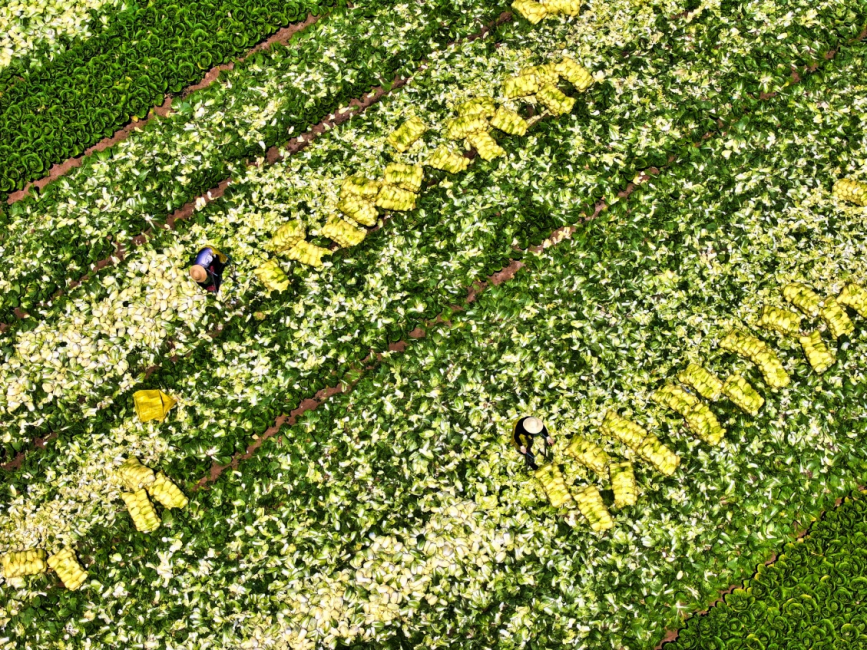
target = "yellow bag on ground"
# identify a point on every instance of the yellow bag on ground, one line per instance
(152, 404)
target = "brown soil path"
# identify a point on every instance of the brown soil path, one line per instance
(57, 170)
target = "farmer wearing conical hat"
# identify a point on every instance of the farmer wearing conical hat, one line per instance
(207, 268)
(526, 429)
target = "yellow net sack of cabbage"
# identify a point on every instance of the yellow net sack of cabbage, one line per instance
(23, 563)
(588, 454)
(854, 296)
(706, 384)
(66, 565)
(486, 146)
(593, 508)
(532, 11)
(480, 106)
(343, 233)
(818, 354)
(407, 177)
(555, 101)
(739, 391)
(308, 254)
(287, 235)
(395, 199)
(360, 210)
(272, 276)
(509, 122)
(552, 482)
(782, 321)
(851, 190)
(408, 132)
(623, 483)
(152, 404)
(447, 160)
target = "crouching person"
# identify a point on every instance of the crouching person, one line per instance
(526, 430)
(207, 268)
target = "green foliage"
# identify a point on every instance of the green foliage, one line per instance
(56, 110)
(814, 595)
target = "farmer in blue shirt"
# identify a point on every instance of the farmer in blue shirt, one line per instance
(207, 268)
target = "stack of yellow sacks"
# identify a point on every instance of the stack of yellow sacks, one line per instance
(739, 391)
(645, 444)
(760, 354)
(592, 507)
(589, 454)
(33, 562)
(699, 418)
(68, 569)
(552, 482)
(706, 384)
(623, 483)
(357, 196)
(142, 480)
(410, 131)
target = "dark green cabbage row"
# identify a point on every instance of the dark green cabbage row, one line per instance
(59, 109)
(814, 597)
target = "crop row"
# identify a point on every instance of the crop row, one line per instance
(145, 306)
(33, 31)
(57, 110)
(120, 192)
(381, 492)
(809, 596)
(257, 371)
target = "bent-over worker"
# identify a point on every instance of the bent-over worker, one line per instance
(526, 429)
(207, 268)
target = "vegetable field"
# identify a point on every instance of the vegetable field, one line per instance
(641, 221)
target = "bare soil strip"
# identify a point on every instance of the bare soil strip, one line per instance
(57, 170)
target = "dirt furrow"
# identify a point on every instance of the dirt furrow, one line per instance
(58, 170)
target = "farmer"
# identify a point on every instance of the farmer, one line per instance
(526, 429)
(207, 268)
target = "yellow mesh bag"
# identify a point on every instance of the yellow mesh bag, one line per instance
(760, 354)
(459, 128)
(66, 565)
(532, 11)
(407, 134)
(782, 321)
(818, 354)
(855, 297)
(564, 7)
(135, 475)
(555, 101)
(739, 391)
(360, 187)
(167, 493)
(509, 122)
(480, 106)
(23, 563)
(407, 177)
(851, 190)
(593, 508)
(152, 404)
(344, 234)
(658, 455)
(141, 510)
(272, 276)
(623, 483)
(288, 235)
(521, 86)
(359, 210)
(803, 297)
(838, 321)
(396, 199)
(575, 74)
(707, 384)
(552, 482)
(448, 161)
(308, 254)
(486, 146)
(546, 73)
(629, 433)
(588, 454)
